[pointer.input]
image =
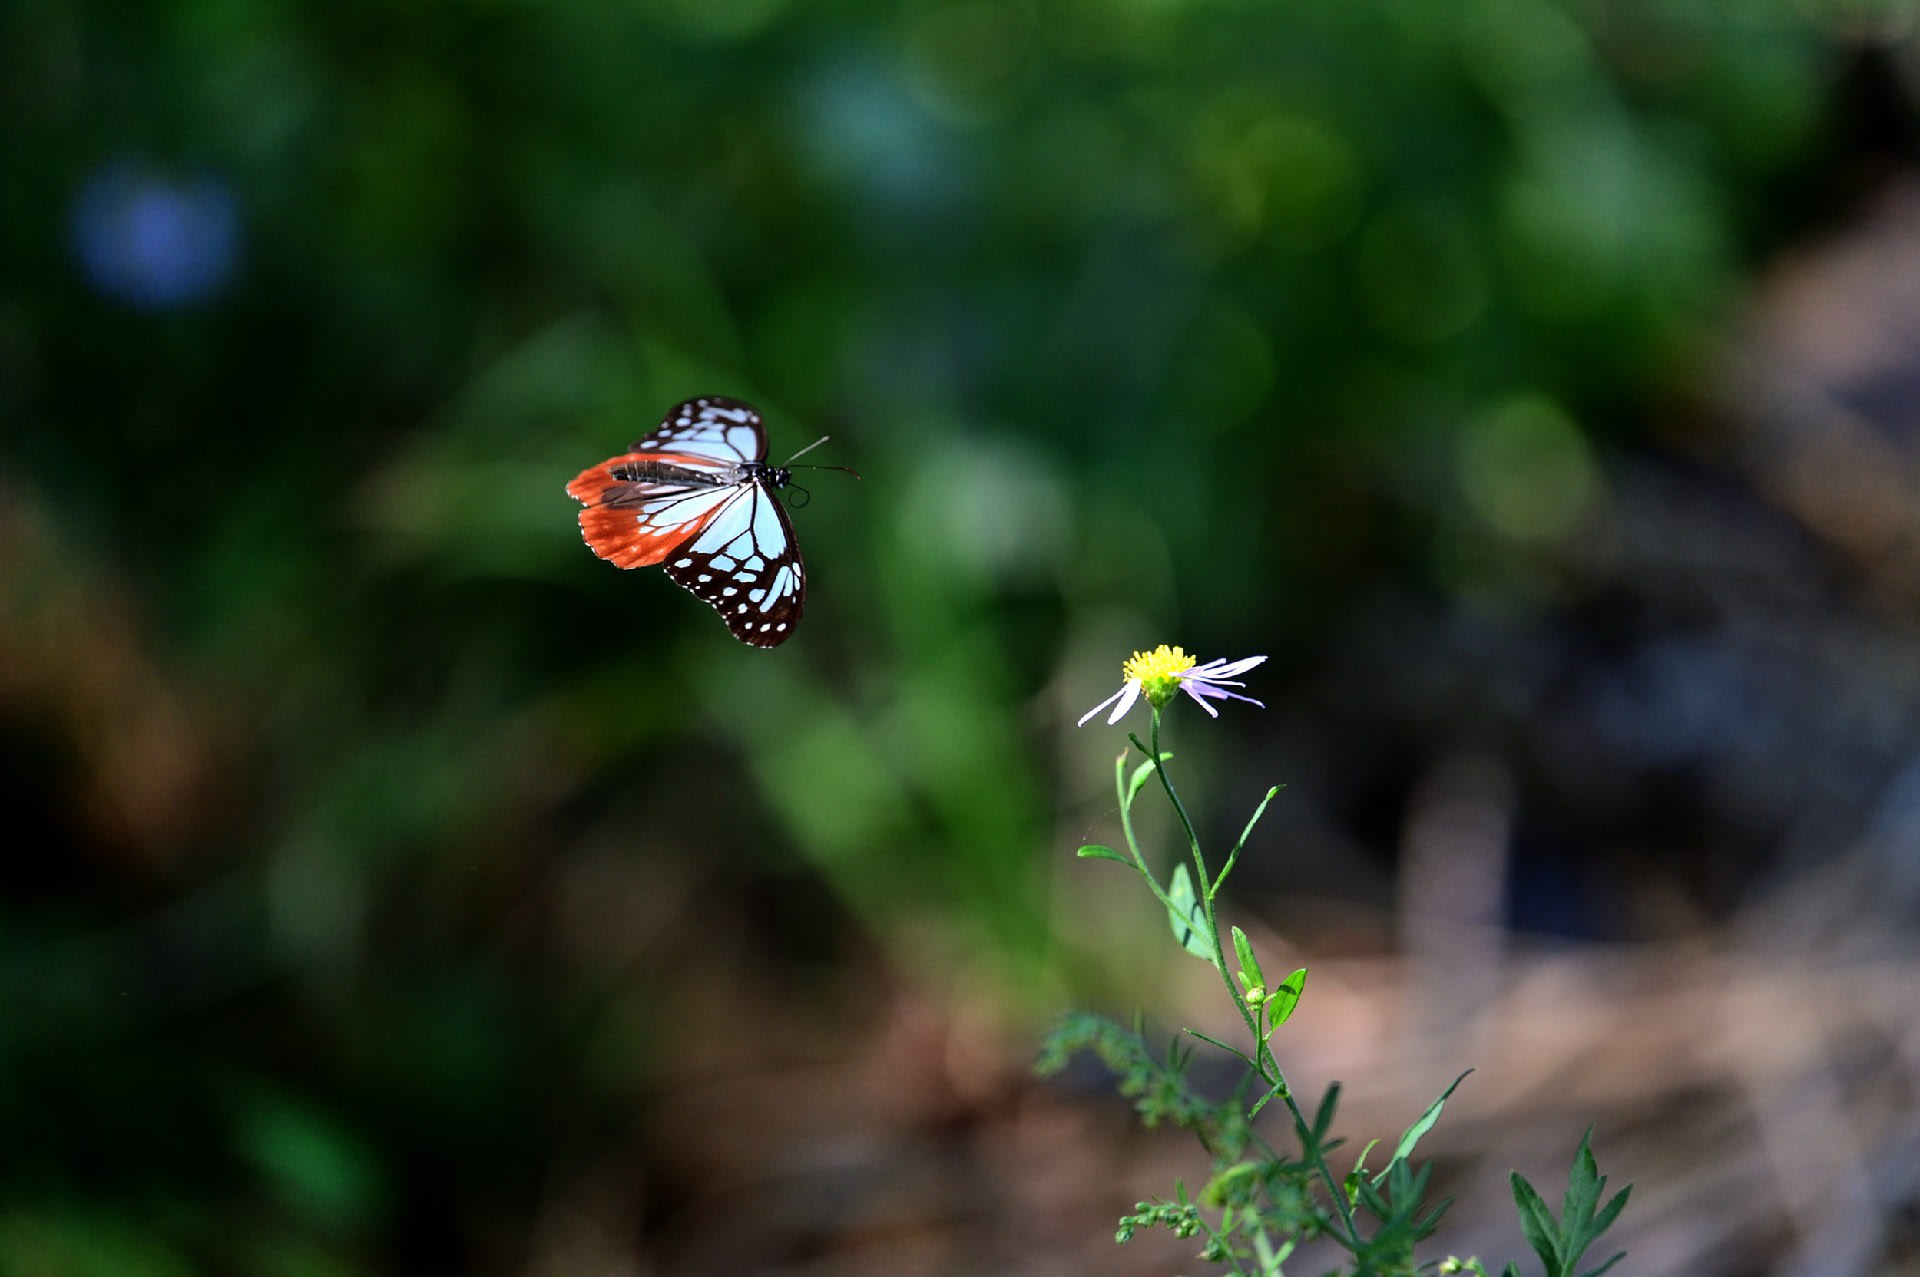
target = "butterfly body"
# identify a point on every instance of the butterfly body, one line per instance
(652, 470)
(698, 497)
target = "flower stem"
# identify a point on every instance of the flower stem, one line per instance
(1266, 1065)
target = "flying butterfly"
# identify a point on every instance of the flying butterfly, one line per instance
(698, 496)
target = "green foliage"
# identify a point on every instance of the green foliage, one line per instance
(1561, 1244)
(1259, 1204)
(1158, 1086)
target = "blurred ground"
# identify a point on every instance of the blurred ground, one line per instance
(391, 887)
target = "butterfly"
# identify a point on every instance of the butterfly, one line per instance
(697, 496)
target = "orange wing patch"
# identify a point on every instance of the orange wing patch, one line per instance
(595, 482)
(633, 525)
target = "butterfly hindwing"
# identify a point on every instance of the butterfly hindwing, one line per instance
(745, 564)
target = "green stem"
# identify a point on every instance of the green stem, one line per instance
(1206, 904)
(1268, 1067)
(1220, 1240)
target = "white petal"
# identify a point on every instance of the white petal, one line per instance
(1102, 705)
(1132, 693)
(1215, 671)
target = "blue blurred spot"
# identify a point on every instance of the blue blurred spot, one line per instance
(154, 242)
(859, 124)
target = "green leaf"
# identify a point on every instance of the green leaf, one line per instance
(1284, 997)
(1323, 1116)
(1610, 1212)
(1271, 1259)
(1536, 1222)
(1595, 1272)
(1360, 1163)
(1413, 1133)
(1584, 1183)
(1230, 1050)
(1187, 917)
(1094, 851)
(1243, 950)
(1140, 775)
(1561, 1245)
(1425, 1226)
(1245, 833)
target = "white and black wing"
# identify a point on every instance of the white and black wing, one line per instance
(711, 431)
(745, 564)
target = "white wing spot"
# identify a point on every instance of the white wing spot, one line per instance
(755, 595)
(756, 563)
(705, 577)
(722, 563)
(778, 589)
(729, 592)
(746, 578)
(741, 608)
(781, 626)
(683, 563)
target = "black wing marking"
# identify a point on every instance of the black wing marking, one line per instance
(711, 430)
(745, 564)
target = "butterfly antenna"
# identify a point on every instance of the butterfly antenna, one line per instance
(809, 448)
(797, 496)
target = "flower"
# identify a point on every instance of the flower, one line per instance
(1165, 670)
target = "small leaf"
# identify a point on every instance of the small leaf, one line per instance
(1243, 949)
(1265, 1100)
(1360, 1163)
(1140, 775)
(1536, 1222)
(1285, 997)
(1584, 1183)
(1608, 1213)
(1245, 833)
(1094, 851)
(1230, 1050)
(1323, 1116)
(1187, 917)
(1425, 1227)
(1595, 1272)
(1271, 1259)
(1425, 1124)
(1370, 1197)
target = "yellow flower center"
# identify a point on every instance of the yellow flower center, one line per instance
(1161, 662)
(1156, 669)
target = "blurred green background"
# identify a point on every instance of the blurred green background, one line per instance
(380, 862)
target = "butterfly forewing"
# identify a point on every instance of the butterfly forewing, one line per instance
(746, 565)
(711, 431)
